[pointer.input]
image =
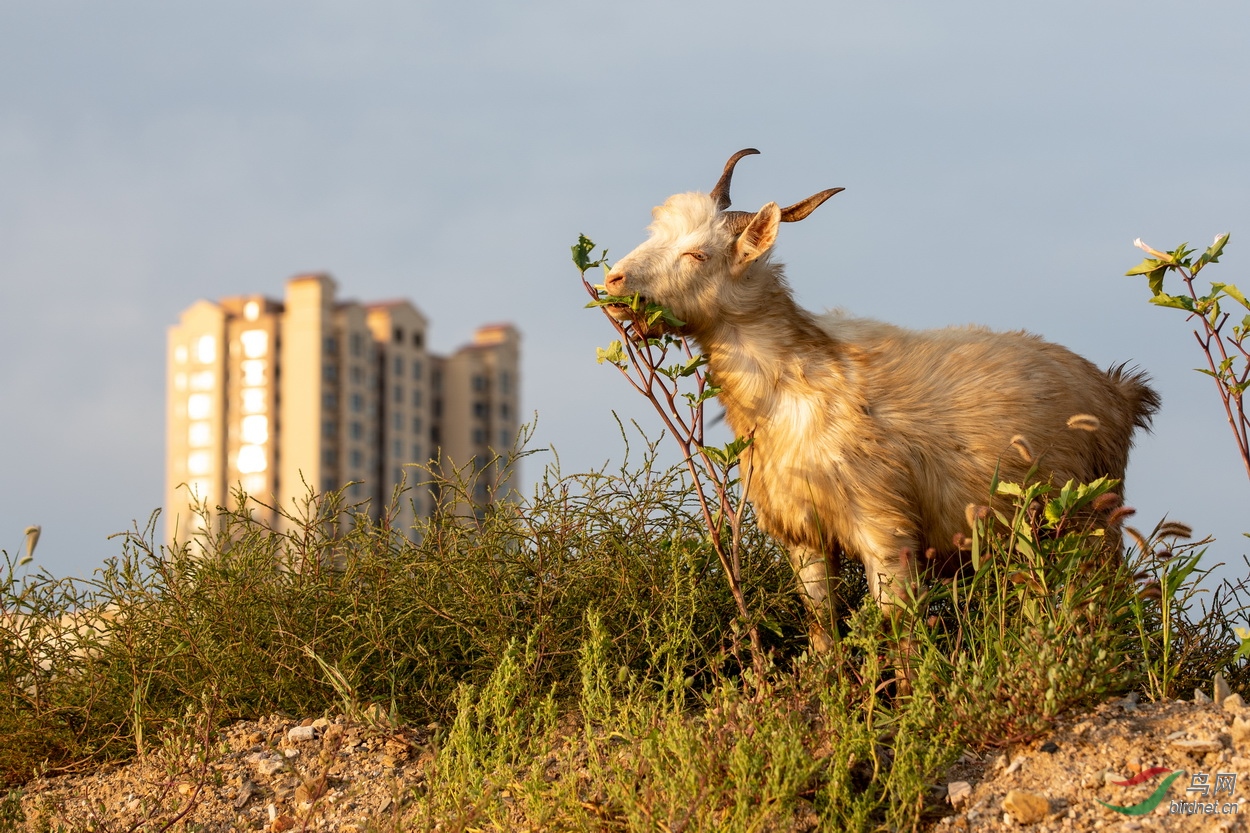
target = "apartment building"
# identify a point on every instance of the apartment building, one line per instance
(275, 398)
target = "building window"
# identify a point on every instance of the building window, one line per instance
(251, 459)
(505, 382)
(504, 410)
(357, 430)
(180, 354)
(397, 449)
(399, 335)
(330, 373)
(358, 459)
(479, 410)
(397, 475)
(200, 434)
(255, 343)
(399, 394)
(418, 339)
(479, 382)
(206, 349)
(254, 401)
(358, 374)
(329, 401)
(253, 372)
(331, 345)
(416, 368)
(399, 365)
(505, 439)
(479, 436)
(199, 406)
(328, 458)
(416, 398)
(328, 429)
(416, 425)
(358, 403)
(416, 453)
(199, 462)
(358, 346)
(398, 421)
(255, 429)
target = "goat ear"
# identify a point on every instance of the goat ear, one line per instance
(758, 237)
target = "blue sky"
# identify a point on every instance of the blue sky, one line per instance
(999, 159)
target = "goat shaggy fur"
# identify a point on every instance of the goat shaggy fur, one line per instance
(870, 439)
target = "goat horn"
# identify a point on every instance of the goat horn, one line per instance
(737, 221)
(800, 210)
(721, 192)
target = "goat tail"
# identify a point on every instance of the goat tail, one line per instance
(1134, 385)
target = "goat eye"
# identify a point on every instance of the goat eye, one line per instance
(697, 255)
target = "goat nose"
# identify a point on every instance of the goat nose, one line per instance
(615, 283)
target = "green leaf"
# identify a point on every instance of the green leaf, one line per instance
(614, 354)
(1150, 264)
(1232, 292)
(1177, 301)
(694, 364)
(1212, 254)
(728, 454)
(582, 251)
(669, 318)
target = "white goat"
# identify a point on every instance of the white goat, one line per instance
(869, 439)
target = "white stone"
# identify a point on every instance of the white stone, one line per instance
(1241, 734)
(268, 766)
(1220, 688)
(1197, 747)
(957, 792)
(301, 733)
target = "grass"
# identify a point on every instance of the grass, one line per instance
(589, 662)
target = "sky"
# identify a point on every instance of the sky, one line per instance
(998, 159)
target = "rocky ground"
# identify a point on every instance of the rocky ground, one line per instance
(332, 775)
(1057, 783)
(269, 775)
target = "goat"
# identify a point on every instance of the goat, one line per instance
(869, 439)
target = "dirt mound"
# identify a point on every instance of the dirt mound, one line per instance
(1120, 754)
(333, 775)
